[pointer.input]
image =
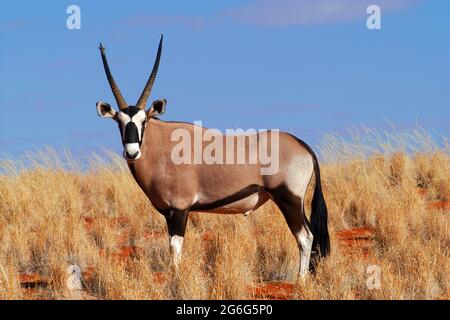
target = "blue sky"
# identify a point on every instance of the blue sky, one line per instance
(303, 66)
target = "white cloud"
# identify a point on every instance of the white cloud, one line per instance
(309, 12)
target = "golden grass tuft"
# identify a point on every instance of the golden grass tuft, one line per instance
(54, 213)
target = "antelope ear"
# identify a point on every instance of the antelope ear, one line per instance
(158, 107)
(104, 110)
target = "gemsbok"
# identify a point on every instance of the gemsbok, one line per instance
(175, 188)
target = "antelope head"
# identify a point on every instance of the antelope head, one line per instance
(132, 120)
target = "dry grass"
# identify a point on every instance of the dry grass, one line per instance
(54, 214)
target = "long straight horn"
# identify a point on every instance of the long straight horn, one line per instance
(148, 87)
(115, 89)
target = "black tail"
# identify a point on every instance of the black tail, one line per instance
(319, 221)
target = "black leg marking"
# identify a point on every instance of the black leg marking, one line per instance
(293, 211)
(291, 206)
(177, 221)
(244, 193)
(176, 224)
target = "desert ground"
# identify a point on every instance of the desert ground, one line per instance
(388, 199)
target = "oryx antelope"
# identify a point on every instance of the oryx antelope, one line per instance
(177, 189)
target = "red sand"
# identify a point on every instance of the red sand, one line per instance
(89, 223)
(434, 205)
(274, 290)
(120, 221)
(160, 277)
(155, 234)
(439, 205)
(88, 274)
(423, 192)
(33, 280)
(207, 236)
(124, 253)
(359, 233)
(357, 240)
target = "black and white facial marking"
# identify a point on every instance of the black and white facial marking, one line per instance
(132, 122)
